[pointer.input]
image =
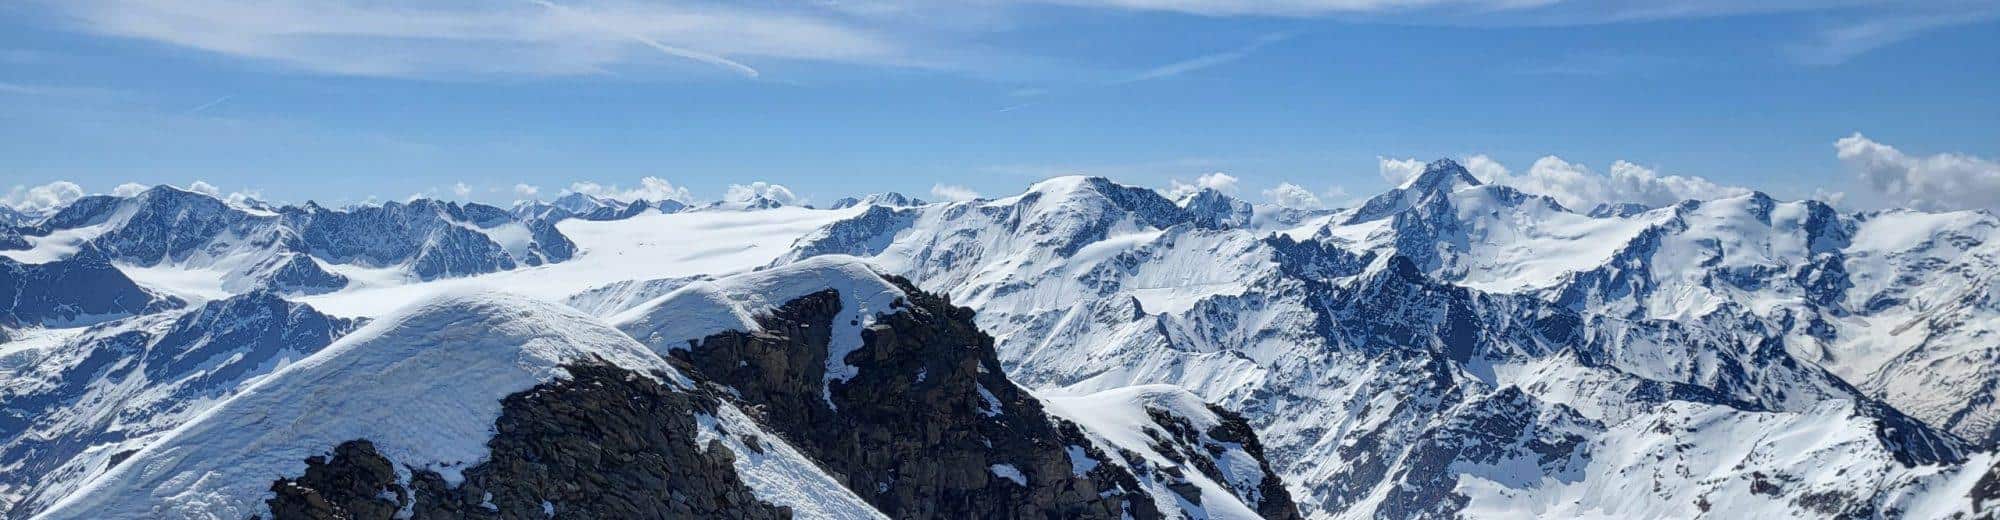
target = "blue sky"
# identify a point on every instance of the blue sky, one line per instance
(342, 100)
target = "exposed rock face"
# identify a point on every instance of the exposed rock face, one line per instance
(1271, 499)
(928, 427)
(84, 288)
(10, 238)
(605, 443)
(356, 483)
(1211, 208)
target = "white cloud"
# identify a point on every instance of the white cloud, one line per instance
(526, 191)
(649, 188)
(1293, 196)
(655, 188)
(1945, 181)
(953, 193)
(1336, 195)
(129, 189)
(1398, 171)
(747, 192)
(593, 37)
(534, 37)
(244, 196)
(461, 190)
(1576, 186)
(1217, 181)
(1832, 198)
(44, 197)
(1501, 12)
(203, 187)
(1481, 167)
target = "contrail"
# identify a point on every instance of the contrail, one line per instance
(206, 106)
(655, 44)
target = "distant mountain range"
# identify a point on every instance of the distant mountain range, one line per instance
(1448, 348)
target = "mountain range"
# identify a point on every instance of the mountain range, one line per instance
(1447, 348)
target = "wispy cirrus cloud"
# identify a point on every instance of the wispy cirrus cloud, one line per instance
(669, 50)
(1837, 43)
(473, 38)
(1205, 61)
(458, 38)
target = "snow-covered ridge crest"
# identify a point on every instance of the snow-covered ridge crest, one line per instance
(424, 384)
(687, 315)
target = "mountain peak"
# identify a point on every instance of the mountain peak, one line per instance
(1441, 174)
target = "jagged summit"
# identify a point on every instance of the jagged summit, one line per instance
(1214, 209)
(1430, 189)
(1441, 174)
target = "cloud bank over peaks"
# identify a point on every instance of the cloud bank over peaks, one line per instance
(760, 189)
(1294, 196)
(1217, 181)
(952, 193)
(1945, 181)
(1577, 186)
(42, 198)
(204, 188)
(649, 188)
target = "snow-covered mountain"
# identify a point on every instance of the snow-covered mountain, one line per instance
(817, 390)
(591, 207)
(1448, 348)
(889, 198)
(81, 402)
(1451, 347)
(221, 247)
(82, 289)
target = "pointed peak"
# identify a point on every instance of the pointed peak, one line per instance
(1441, 174)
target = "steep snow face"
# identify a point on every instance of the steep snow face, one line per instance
(1389, 355)
(381, 383)
(699, 309)
(79, 405)
(1777, 465)
(613, 298)
(1168, 427)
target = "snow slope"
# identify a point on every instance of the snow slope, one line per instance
(380, 383)
(643, 247)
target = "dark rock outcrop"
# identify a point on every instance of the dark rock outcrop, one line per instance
(914, 432)
(928, 427)
(605, 443)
